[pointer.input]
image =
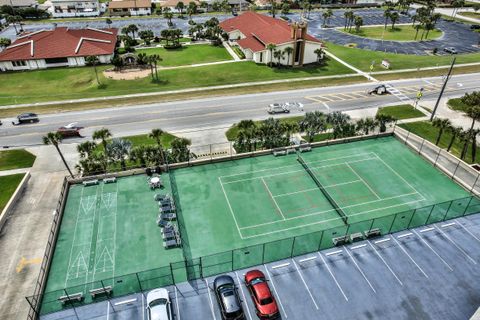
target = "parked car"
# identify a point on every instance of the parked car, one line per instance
(70, 130)
(450, 50)
(380, 90)
(263, 299)
(277, 108)
(159, 306)
(475, 27)
(26, 118)
(227, 298)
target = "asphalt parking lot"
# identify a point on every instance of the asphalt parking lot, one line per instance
(431, 272)
(456, 34)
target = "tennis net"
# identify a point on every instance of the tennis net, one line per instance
(322, 189)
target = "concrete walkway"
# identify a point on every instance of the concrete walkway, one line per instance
(199, 65)
(360, 72)
(13, 171)
(230, 51)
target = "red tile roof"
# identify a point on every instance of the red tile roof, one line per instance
(260, 30)
(60, 43)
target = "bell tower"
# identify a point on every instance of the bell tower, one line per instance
(298, 30)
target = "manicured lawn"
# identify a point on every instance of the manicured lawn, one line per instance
(400, 112)
(320, 137)
(76, 83)
(8, 185)
(362, 59)
(233, 131)
(143, 139)
(475, 15)
(399, 33)
(457, 104)
(187, 55)
(425, 130)
(16, 159)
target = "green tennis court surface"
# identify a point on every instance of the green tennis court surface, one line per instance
(110, 231)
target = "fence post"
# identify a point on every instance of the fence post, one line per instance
(231, 150)
(473, 186)
(320, 242)
(448, 209)
(211, 155)
(433, 206)
(71, 302)
(438, 156)
(138, 279)
(232, 260)
(455, 171)
(411, 218)
(464, 212)
(373, 221)
(421, 146)
(263, 254)
(406, 138)
(393, 222)
(293, 246)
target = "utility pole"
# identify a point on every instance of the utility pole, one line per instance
(443, 89)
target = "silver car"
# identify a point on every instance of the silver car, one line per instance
(227, 297)
(277, 108)
(159, 305)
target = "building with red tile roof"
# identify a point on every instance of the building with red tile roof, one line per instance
(60, 47)
(253, 32)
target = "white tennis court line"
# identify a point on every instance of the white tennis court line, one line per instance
(360, 270)
(211, 301)
(295, 165)
(74, 236)
(243, 295)
(333, 276)
(379, 255)
(313, 189)
(230, 207)
(275, 290)
(456, 245)
(408, 255)
(91, 242)
(368, 186)
(303, 280)
(400, 176)
(435, 252)
(294, 171)
(271, 196)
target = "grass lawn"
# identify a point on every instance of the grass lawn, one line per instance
(233, 131)
(16, 159)
(76, 83)
(143, 139)
(475, 15)
(399, 33)
(186, 55)
(457, 104)
(320, 137)
(400, 112)
(362, 59)
(8, 185)
(425, 130)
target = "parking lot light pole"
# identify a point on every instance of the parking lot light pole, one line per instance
(443, 89)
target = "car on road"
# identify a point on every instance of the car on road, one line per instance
(263, 299)
(227, 298)
(450, 50)
(380, 90)
(159, 306)
(277, 108)
(70, 130)
(475, 27)
(26, 118)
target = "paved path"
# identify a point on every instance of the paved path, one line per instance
(13, 171)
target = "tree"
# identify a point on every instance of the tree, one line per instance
(285, 8)
(417, 28)
(442, 125)
(93, 61)
(473, 134)
(270, 48)
(139, 154)
(455, 131)
(180, 6)
(456, 4)
(326, 16)
(119, 150)
(358, 23)
(339, 123)
(464, 138)
(288, 51)
(117, 62)
(132, 28)
(180, 151)
(153, 61)
(386, 15)
(350, 16)
(383, 120)
(109, 22)
(191, 9)
(168, 15)
(312, 124)
(366, 125)
(279, 55)
(394, 18)
(273, 7)
(147, 36)
(246, 136)
(472, 100)
(103, 135)
(5, 42)
(55, 138)
(319, 52)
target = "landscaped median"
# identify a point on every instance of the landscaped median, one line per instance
(16, 159)
(8, 185)
(398, 33)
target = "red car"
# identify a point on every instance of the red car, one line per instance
(70, 130)
(261, 295)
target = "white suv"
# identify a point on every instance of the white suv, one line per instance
(277, 108)
(159, 305)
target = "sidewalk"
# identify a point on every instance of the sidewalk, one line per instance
(13, 171)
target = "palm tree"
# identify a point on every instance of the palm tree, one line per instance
(455, 131)
(279, 55)
(103, 135)
(464, 138)
(5, 42)
(247, 129)
(442, 125)
(288, 51)
(55, 138)
(93, 61)
(473, 101)
(474, 114)
(156, 134)
(394, 18)
(312, 124)
(319, 52)
(180, 6)
(271, 47)
(154, 59)
(366, 125)
(417, 28)
(191, 9)
(383, 120)
(132, 28)
(139, 154)
(180, 151)
(387, 14)
(118, 150)
(85, 149)
(168, 15)
(109, 22)
(358, 23)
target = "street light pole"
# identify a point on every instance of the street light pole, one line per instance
(443, 89)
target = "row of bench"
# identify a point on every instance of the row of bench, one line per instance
(78, 297)
(340, 241)
(290, 150)
(87, 183)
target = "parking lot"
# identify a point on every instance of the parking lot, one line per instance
(431, 272)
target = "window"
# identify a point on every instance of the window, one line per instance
(56, 60)
(20, 63)
(261, 56)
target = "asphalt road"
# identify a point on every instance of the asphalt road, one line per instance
(218, 112)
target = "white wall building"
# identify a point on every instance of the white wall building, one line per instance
(74, 8)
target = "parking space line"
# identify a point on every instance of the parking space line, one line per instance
(275, 289)
(374, 249)
(303, 280)
(360, 270)
(411, 259)
(307, 259)
(108, 310)
(211, 301)
(382, 241)
(404, 235)
(358, 247)
(469, 232)
(143, 307)
(243, 295)
(333, 252)
(283, 265)
(326, 106)
(334, 279)
(435, 252)
(448, 225)
(427, 230)
(176, 303)
(456, 245)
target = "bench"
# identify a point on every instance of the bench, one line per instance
(304, 148)
(100, 291)
(358, 236)
(71, 298)
(172, 243)
(373, 233)
(340, 241)
(291, 150)
(279, 152)
(90, 183)
(110, 180)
